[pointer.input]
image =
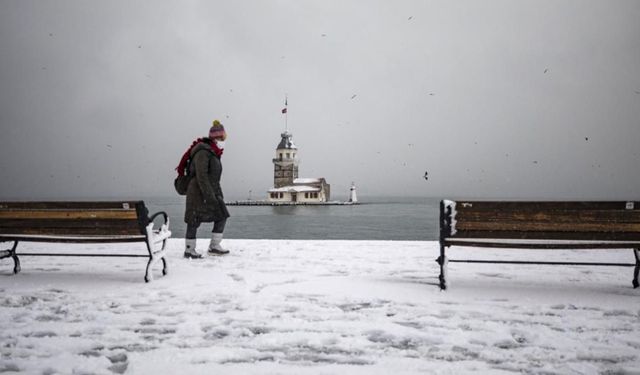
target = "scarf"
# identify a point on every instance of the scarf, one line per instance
(183, 161)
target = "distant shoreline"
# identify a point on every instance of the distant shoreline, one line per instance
(268, 203)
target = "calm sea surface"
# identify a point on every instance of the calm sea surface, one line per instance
(410, 219)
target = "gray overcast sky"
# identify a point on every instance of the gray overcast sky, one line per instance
(495, 99)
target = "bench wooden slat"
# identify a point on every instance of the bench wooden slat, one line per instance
(70, 223)
(524, 206)
(71, 205)
(72, 239)
(541, 235)
(550, 226)
(568, 216)
(70, 231)
(495, 243)
(68, 214)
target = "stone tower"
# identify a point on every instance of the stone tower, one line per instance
(285, 165)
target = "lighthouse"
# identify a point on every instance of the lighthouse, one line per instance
(352, 195)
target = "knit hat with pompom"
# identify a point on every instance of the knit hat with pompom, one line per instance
(217, 131)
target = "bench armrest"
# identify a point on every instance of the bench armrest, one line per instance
(164, 214)
(156, 236)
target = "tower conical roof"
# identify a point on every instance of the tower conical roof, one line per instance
(286, 143)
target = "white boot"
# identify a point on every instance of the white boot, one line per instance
(190, 249)
(214, 245)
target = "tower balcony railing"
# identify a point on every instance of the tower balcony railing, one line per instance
(286, 160)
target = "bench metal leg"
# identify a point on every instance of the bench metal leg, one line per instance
(442, 261)
(148, 274)
(152, 240)
(12, 253)
(153, 258)
(165, 267)
(636, 252)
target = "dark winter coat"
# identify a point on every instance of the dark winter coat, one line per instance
(205, 201)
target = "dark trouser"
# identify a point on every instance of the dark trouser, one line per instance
(218, 227)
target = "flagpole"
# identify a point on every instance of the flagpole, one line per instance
(286, 114)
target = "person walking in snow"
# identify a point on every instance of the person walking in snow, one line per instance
(205, 201)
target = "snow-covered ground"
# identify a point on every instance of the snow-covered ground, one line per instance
(318, 307)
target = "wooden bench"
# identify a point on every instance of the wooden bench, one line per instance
(83, 222)
(539, 225)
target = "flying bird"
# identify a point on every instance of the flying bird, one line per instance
(354, 95)
(546, 70)
(586, 138)
(426, 177)
(409, 19)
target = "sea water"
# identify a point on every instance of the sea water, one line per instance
(376, 218)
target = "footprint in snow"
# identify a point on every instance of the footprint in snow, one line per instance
(134, 348)
(93, 352)
(22, 301)
(494, 275)
(410, 324)
(521, 337)
(619, 313)
(54, 290)
(506, 344)
(147, 322)
(216, 334)
(146, 330)
(119, 363)
(41, 334)
(236, 277)
(118, 358)
(90, 353)
(9, 367)
(47, 318)
(466, 353)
